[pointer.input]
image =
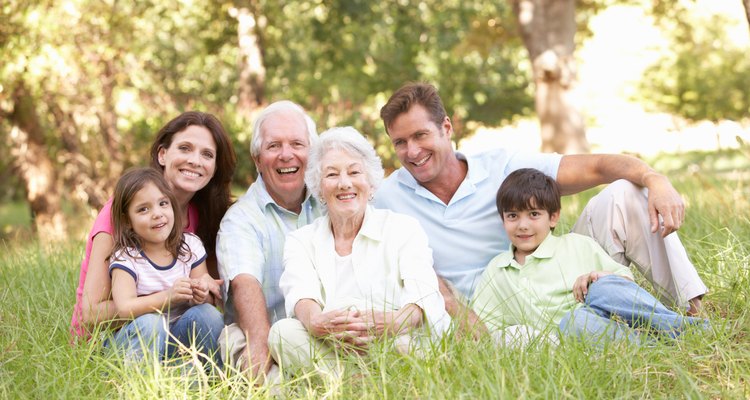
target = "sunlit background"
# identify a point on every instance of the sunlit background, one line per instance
(625, 42)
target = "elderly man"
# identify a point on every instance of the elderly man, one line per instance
(250, 242)
(453, 197)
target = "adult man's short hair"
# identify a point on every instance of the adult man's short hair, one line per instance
(407, 96)
(280, 106)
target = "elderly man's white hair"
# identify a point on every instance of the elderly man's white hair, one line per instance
(349, 140)
(282, 106)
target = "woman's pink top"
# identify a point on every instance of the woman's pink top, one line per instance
(103, 224)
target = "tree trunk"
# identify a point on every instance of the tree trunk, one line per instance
(85, 183)
(548, 29)
(252, 68)
(746, 3)
(35, 168)
(108, 121)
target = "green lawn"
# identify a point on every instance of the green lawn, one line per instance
(37, 294)
(15, 220)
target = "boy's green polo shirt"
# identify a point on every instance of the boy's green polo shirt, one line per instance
(539, 293)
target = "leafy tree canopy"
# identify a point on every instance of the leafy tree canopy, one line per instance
(704, 76)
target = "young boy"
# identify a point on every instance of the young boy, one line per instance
(567, 281)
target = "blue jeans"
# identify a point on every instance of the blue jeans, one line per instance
(199, 326)
(614, 295)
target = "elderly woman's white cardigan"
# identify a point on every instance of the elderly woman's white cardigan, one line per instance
(392, 262)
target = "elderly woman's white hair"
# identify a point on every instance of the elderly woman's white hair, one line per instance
(280, 106)
(352, 142)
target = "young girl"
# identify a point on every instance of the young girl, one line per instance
(159, 275)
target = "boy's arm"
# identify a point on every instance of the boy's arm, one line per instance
(129, 305)
(603, 264)
(581, 285)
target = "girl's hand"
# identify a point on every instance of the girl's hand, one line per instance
(200, 291)
(214, 286)
(181, 292)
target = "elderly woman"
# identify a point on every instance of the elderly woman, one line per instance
(357, 274)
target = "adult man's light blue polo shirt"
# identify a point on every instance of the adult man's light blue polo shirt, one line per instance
(466, 233)
(251, 241)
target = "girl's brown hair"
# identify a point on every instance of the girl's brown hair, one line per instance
(124, 237)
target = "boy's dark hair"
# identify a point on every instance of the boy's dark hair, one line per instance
(525, 184)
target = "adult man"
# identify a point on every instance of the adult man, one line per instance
(453, 196)
(250, 242)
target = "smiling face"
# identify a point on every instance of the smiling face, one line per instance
(527, 229)
(283, 158)
(423, 148)
(344, 185)
(151, 216)
(189, 162)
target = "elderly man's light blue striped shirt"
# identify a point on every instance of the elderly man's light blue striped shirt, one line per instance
(251, 241)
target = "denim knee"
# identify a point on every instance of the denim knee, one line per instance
(140, 336)
(147, 325)
(207, 319)
(609, 287)
(201, 325)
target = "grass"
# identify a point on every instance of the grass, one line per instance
(15, 219)
(37, 288)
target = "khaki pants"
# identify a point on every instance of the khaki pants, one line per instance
(295, 350)
(233, 347)
(618, 219)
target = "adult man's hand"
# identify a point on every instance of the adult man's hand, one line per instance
(664, 201)
(257, 360)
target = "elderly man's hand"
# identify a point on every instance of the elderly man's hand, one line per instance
(664, 201)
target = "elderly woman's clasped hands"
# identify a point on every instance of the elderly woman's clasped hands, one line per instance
(351, 326)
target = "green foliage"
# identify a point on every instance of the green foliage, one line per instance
(342, 59)
(705, 76)
(105, 75)
(37, 290)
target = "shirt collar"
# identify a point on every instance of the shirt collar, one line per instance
(264, 198)
(545, 250)
(476, 172)
(372, 227)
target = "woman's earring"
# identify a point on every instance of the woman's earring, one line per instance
(372, 196)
